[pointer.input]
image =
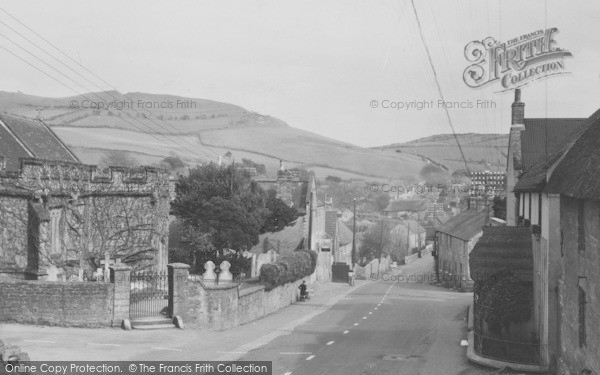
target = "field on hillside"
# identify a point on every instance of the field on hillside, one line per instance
(298, 146)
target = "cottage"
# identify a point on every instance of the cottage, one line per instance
(454, 242)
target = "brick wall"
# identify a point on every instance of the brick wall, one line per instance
(581, 269)
(80, 304)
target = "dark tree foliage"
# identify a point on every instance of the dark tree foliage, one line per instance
(333, 179)
(280, 214)
(375, 240)
(500, 207)
(173, 163)
(433, 175)
(224, 203)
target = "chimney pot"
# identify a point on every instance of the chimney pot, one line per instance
(517, 95)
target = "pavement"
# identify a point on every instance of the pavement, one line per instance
(374, 327)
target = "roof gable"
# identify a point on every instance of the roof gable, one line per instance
(465, 225)
(21, 137)
(543, 137)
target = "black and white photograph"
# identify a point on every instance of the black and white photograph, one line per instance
(285, 187)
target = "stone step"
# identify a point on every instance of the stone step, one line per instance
(154, 326)
(151, 321)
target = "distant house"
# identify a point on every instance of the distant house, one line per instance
(344, 241)
(408, 235)
(454, 242)
(409, 207)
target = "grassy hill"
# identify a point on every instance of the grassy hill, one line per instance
(151, 127)
(482, 151)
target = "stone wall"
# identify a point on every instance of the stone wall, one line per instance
(12, 354)
(581, 271)
(81, 304)
(68, 215)
(219, 307)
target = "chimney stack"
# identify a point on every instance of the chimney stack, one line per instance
(518, 109)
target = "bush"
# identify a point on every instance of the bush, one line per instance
(415, 250)
(288, 269)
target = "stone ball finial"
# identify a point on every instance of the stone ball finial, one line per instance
(225, 275)
(209, 274)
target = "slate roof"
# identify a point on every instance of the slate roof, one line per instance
(345, 234)
(413, 205)
(26, 138)
(465, 225)
(545, 136)
(502, 248)
(576, 174)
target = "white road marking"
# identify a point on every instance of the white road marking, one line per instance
(330, 342)
(355, 324)
(310, 357)
(288, 373)
(376, 307)
(96, 343)
(370, 312)
(157, 348)
(42, 341)
(364, 317)
(294, 353)
(343, 333)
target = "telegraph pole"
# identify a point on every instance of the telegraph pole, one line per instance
(353, 259)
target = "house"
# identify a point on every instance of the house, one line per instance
(454, 242)
(59, 218)
(531, 140)
(569, 233)
(545, 144)
(409, 207)
(408, 235)
(344, 243)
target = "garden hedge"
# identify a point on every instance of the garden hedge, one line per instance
(289, 268)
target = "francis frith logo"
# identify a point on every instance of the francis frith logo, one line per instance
(514, 63)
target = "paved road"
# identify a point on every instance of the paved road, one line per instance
(385, 327)
(376, 327)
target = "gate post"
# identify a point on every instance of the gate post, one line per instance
(178, 277)
(119, 276)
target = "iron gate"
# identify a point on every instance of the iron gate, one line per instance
(149, 294)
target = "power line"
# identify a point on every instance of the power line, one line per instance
(439, 89)
(78, 93)
(87, 79)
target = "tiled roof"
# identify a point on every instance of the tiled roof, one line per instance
(576, 175)
(465, 225)
(502, 248)
(545, 136)
(414, 205)
(21, 137)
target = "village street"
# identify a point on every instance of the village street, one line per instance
(341, 330)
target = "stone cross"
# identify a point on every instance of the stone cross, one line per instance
(225, 275)
(209, 274)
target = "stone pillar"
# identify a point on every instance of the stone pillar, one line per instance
(120, 277)
(178, 277)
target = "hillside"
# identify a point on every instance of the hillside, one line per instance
(151, 127)
(482, 151)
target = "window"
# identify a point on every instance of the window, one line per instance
(580, 225)
(582, 333)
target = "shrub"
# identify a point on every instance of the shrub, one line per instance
(415, 250)
(288, 269)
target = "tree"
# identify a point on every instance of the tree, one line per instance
(433, 175)
(460, 176)
(280, 214)
(499, 207)
(119, 158)
(173, 163)
(375, 240)
(226, 205)
(333, 179)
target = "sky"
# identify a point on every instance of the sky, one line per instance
(317, 65)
